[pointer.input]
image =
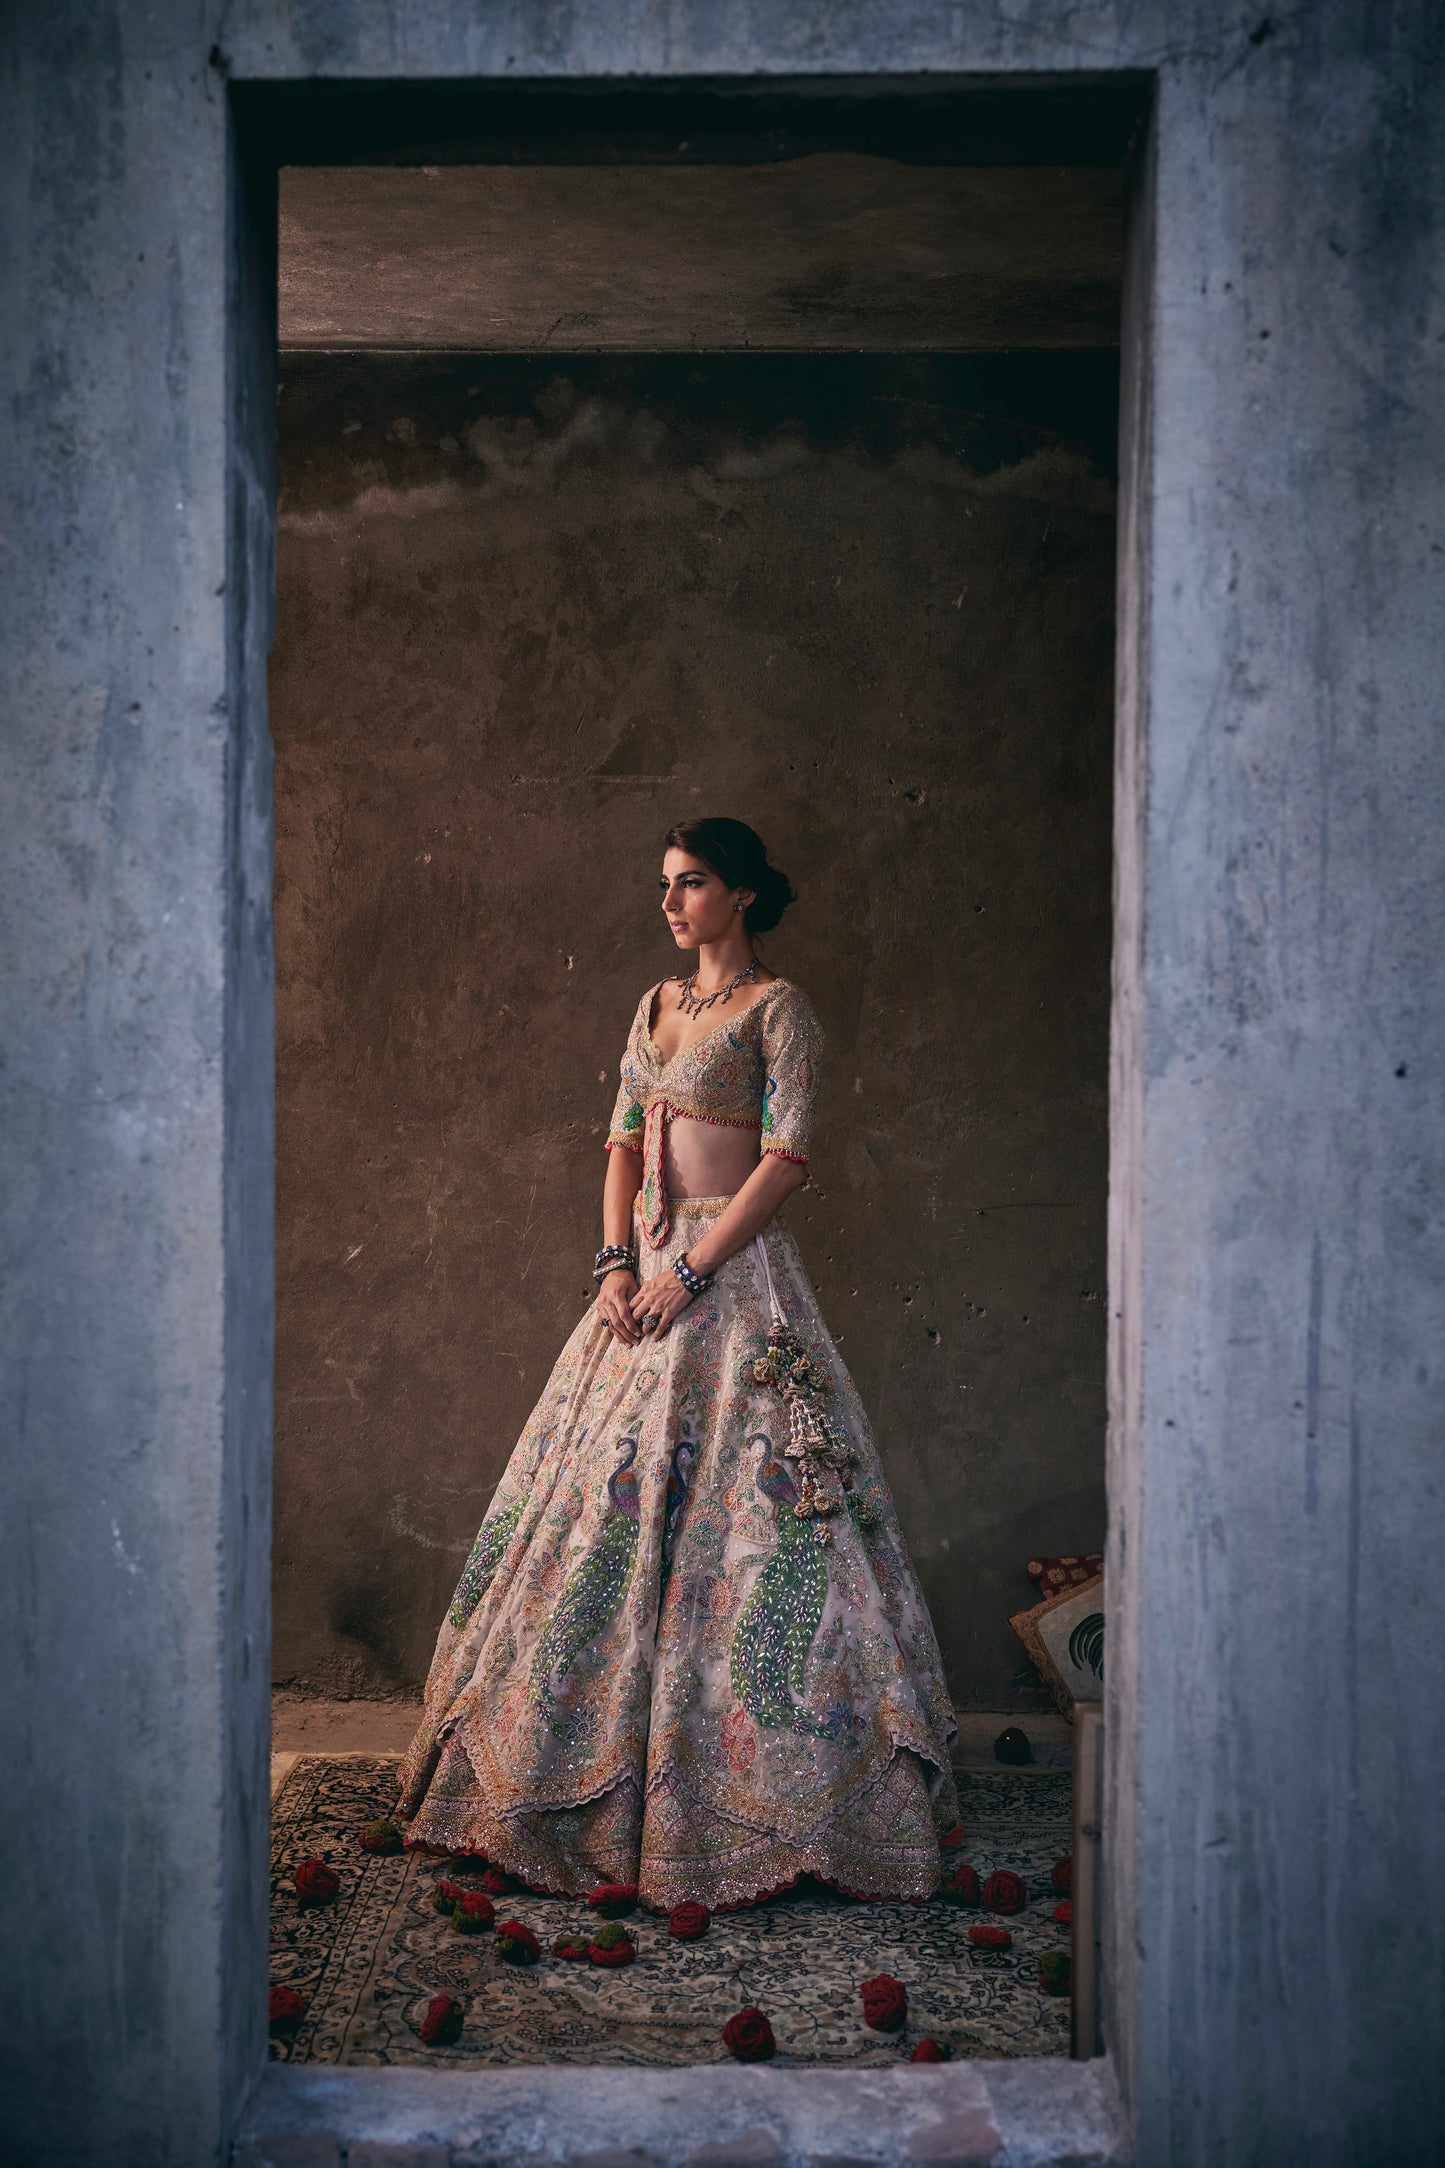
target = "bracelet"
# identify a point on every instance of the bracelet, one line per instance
(612, 1257)
(694, 1282)
(618, 1264)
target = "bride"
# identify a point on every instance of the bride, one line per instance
(688, 1649)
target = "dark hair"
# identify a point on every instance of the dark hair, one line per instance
(739, 858)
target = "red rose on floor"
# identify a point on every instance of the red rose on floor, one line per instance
(1004, 1891)
(472, 1912)
(1062, 1876)
(620, 1952)
(443, 2022)
(986, 1937)
(688, 1921)
(885, 2003)
(316, 1883)
(496, 1883)
(447, 1896)
(287, 2008)
(381, 1837)
(575, 1949)
(749, 2036)
(930, 2051)
(953, 1838)
(1064, 1913)
(613, 1899)
(1055, 1972)
(961, 1888)
(516, 1944)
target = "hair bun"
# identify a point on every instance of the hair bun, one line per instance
(774, 894)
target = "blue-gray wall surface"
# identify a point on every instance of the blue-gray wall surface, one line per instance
(1274, 1837)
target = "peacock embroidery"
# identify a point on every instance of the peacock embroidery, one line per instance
(781, 1617)
(484, 1559)
(594, 1590)
(684, 1453)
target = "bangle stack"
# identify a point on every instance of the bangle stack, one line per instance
(694, 1282)
(615, 1257)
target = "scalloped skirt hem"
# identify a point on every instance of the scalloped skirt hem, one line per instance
(679, 1849)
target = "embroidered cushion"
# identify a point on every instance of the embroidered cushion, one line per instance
(1066, 1571)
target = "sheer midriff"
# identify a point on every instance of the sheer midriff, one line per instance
(709, 1159)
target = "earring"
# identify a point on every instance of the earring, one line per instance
(737, 907)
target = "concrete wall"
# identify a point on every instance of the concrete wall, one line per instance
(529, 614)
(1277, 1750)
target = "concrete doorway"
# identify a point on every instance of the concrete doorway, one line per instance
(785, 475)
(1274, 1274)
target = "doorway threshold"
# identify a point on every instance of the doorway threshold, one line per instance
(1040, 2111)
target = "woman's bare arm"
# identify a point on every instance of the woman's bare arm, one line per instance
(771, 1182)
(614, 1297)
(624, 1180)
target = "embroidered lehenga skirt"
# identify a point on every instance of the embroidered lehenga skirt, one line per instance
(654, 1670)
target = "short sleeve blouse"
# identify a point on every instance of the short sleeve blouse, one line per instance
(754, 1070)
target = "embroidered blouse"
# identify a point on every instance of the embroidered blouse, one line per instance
(757, 1069)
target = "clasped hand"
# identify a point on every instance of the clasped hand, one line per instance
(623, 1305)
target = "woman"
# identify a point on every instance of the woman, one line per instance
(688, 1650)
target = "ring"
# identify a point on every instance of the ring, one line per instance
(649, 1323)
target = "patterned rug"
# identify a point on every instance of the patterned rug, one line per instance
(368, 1963)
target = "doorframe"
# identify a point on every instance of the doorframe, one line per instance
(1038, 2103)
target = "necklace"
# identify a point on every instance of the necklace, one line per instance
(695, 1003)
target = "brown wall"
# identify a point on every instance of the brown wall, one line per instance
(530, 613)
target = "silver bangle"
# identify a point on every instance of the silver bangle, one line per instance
(694, 1282)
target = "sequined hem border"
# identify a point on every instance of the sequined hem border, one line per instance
(849, 1864)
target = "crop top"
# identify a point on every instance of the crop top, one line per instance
(757, 1069)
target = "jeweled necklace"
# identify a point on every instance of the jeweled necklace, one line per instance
(695, 1003)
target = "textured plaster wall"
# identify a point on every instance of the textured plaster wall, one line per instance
(529, 613)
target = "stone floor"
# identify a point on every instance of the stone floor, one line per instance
(1035, 2110)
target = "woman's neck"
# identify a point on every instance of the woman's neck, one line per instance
(719, 961)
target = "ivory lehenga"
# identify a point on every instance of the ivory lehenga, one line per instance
(688, 1649)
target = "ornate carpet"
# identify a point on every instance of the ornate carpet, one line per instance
(368, 1963)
